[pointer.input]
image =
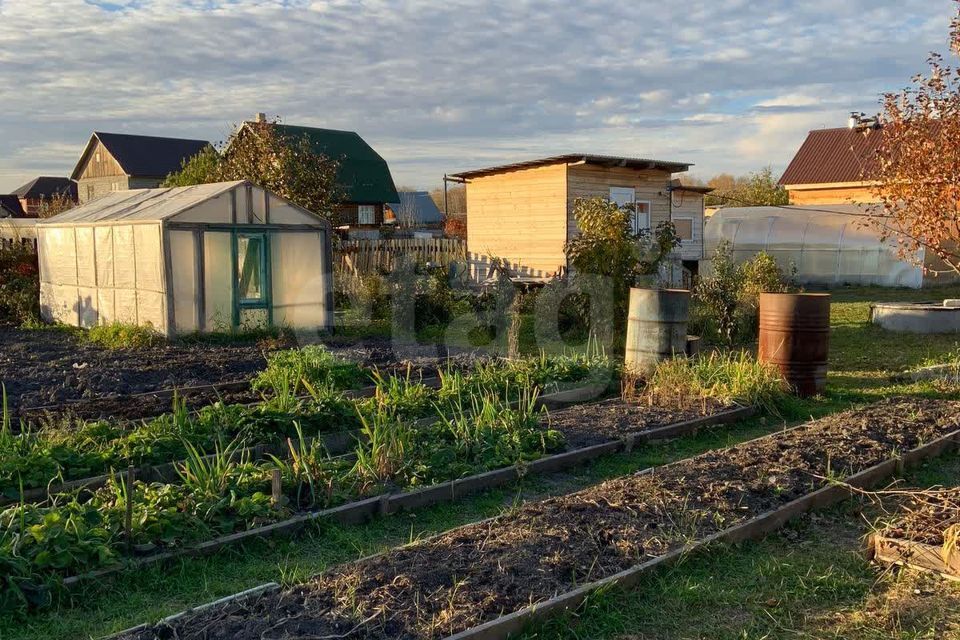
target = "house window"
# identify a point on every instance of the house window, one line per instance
(626, 197)
(251, 269)
(640, 219)
(684, 227)
(90, 192)
(366, 214)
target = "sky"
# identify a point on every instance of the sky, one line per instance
(437, 86)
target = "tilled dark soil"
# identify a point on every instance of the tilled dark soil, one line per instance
(42, 367)
(597, 422)
(476, 573)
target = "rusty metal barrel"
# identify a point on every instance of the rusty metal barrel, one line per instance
(795, 336)
(656, 327)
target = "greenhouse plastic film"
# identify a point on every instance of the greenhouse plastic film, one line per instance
(828, 244)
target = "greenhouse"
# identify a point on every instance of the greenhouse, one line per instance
(829, 244)
(214, 257)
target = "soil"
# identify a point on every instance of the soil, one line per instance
(55, 371)
(476, 573)
(598, 422)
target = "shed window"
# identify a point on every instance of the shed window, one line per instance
(684, 227)
(251, 268)
(366, 214)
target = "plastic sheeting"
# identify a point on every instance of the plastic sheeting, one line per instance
(95, 275)
(828, 244)
(299, 282)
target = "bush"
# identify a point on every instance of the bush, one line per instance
(19, 284)
(726, 302)
(118, 335)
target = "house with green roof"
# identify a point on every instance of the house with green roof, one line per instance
(362, 174)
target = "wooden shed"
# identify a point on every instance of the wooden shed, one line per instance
(213, 257)
(523, 212)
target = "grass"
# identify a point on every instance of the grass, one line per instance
(810, 581)
(118, 335)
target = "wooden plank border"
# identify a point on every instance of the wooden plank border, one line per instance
(916, 555)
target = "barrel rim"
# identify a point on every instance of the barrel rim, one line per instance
(659, 290)
(796, 295)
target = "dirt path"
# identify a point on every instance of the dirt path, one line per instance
(478, 572)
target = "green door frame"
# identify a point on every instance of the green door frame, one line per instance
(266, 275)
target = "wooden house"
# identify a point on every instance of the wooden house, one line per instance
(42, 189)
(523, 212)
(119, 161)
(362, 175)
(834, 166)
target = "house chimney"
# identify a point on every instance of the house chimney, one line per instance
(261, 117)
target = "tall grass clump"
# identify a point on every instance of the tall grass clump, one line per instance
(119, 335)
(287, 370)
(728, 377)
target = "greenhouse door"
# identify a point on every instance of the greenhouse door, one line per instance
(252, 308)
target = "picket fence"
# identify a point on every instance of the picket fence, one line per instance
(372, 256)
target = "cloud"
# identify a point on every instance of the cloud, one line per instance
(438, 86)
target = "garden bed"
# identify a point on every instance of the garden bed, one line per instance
(473, 575)
(582, 426)
(362, 510)
(109, 384)
(925, 536)
(52, 366)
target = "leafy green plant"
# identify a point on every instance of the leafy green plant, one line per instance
(382, 450)
(287, 370)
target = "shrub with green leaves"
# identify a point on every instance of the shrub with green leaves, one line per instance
(726, 302)
(19, 284)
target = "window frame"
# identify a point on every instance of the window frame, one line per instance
(692, 220)
(263, 301)
(635, 216)
(372, 210)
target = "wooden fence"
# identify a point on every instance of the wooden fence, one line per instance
(370, 256)
(15, 231)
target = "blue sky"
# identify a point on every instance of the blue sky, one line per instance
(441, 86)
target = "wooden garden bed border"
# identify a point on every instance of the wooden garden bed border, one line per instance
(506, 626)
(361, 511)
(916, 555)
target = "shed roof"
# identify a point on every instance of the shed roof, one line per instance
(141, 205)
(831, 156)
(46, 186)
(362, 173)
(146, 156)
(587, 158)
(422, 207)
(10, 206)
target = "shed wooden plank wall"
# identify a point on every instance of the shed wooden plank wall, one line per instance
(592, 181)
(689, 204)
(519, 216)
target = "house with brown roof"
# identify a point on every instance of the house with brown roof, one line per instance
(834, 166)
(523, 212)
